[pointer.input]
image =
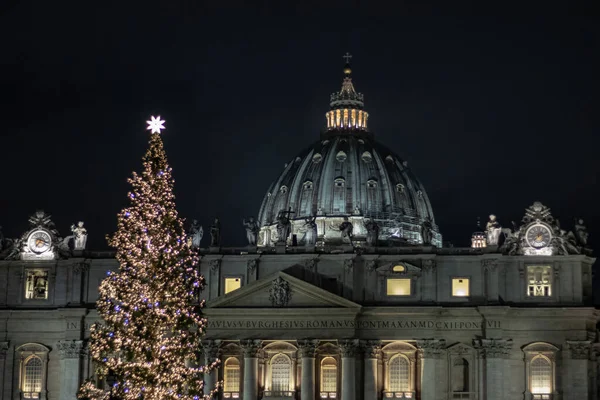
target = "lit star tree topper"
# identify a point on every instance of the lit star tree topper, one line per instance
(155, 125)
(149, 340)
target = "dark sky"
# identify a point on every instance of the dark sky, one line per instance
(491, 113)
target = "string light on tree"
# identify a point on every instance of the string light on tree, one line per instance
(155, 125)
(149, 342)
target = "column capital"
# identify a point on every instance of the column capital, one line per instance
(370, 348)
(3, 349)
(429, 265)
(251, 347)
(308, 347)
(70, 348)
(211, 348)
(493, 348)
(348, 347)
(580, 349)
(489, 264)
(431, 348)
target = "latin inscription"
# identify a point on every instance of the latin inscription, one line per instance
(365, 325)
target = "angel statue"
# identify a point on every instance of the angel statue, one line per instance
(195, 234)
(251, 230)
(310, 239)
(79, 235)
(492, 231)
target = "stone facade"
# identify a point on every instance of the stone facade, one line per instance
(316, 325)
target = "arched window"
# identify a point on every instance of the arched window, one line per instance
(306, 198)
(399, 374)
(460, 375)
(540, 375)
(339, 195)
(32, 377)
(280, 373)
(232, 375)
(328, 378)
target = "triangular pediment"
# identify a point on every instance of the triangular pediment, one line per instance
(280, 290)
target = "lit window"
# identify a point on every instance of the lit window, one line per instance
(399, 268)
(372, 184)
(232, 284)
(541, 377)
(460, 287)
(36, 285)
(280, 373)
(232, 377)
(328, 378)
(399, 374)
(339, 182)
(539, 281)
(32, 370)
(308, 185)
(398, 287)
(32, 381)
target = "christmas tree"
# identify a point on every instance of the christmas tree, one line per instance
(149, 340)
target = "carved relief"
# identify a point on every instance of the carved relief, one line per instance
(580, 350)
(70, 348)
(215, 265)
(211, 348)
(370, 348)
(308, 347)
(252, 264)
(348, 347)
(3, 350)
(311, 264)
(431, 348)
(429, 265)
(81, 267)
(489, 264)
(348, 264)
(280, 293)
(251, 348)
(493, 348)
(371, 265)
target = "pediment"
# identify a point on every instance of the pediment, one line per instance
(388, 268)
(281, 290)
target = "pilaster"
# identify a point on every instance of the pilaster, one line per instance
(3, 351)
(70, 360)
(431, 361)
(493, 355)
(575, 371)
(211, 349)
(490, 266)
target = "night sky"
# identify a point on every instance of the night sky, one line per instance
(492, 114)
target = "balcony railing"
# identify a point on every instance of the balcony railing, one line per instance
(329, 395)
(542, 396)
(463, 395)
(231, 395)
(399, 395)
(282, 394)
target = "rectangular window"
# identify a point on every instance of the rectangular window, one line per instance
(539, 281)
(398, 287)
(460, 287)
(36, 284)
(232, 284)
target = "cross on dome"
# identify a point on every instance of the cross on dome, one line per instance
(347, 56)
(155, 125)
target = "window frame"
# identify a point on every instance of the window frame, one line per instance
(225, 277)
(24, 354)
(225, 378)
(392, 278)
(553, 283)
(290, 373)
(457, 297)
(407, 351)
(548, 352)
(329, 393)
(23, 284)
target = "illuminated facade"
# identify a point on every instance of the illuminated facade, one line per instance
(341, 318)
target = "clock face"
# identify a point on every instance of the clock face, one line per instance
(538, 236)
(39, 241)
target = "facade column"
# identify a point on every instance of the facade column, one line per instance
(371, 349)
(348, 348)
(432, 379)
(251, 349)
(70, 361)
(3, 376)
(307, 352)
(575, 370)
(493, 354)
(210, 348)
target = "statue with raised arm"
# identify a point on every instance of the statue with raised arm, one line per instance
(79, 236)
(346, 229)
(311, 231)
(427, 231)
(372, 232)
(251, 230)
(215, 233)
(492, 231)
(195, 235)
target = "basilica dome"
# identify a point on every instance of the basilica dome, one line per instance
(348, 176)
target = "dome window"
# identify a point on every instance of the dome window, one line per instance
(341, 156)
(339, 182)
(405, 163)
(298, 159)
(325, 142)
(372, 184)
(283, 189)
(308, 185)
(360, 141)
(420, 194)
(317, 158)
(367, 157)
(400, 188)
(389, 159)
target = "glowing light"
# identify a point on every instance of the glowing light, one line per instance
(155, 125)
